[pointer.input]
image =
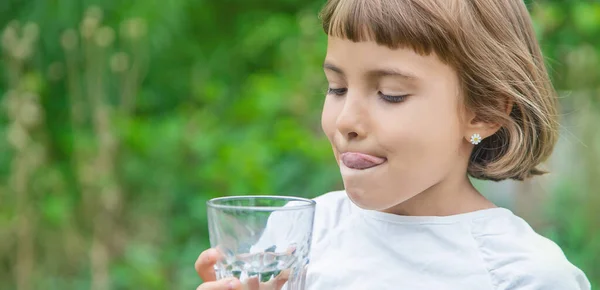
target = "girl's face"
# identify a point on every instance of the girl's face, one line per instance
(393, 120)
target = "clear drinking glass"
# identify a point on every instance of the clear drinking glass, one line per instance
(263, 240)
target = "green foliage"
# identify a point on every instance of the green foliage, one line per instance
(114, 142)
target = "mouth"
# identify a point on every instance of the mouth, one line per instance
(361, 161)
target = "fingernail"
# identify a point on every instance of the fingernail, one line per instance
(209, 257)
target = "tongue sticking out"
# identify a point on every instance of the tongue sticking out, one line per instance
(361, 161)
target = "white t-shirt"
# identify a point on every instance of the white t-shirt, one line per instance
(356, 249)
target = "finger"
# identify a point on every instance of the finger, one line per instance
(281, 279)
(291, 250)
(252, 284)
(276, 283)
(205, 265)
(283, 275)
(225, 284)
(271, 285)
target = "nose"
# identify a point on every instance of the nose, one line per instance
(351, 120)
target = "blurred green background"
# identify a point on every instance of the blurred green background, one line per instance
(119, 119)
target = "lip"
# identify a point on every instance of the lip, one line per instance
(360, 161)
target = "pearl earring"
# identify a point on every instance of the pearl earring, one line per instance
(475, 139)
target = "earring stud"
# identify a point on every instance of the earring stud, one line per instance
(475, 139)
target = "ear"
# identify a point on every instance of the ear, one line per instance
(476, 129)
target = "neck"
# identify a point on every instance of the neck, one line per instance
(448, 197)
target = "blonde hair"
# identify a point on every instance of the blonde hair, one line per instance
(492, 46)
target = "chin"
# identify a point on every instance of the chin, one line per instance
(365, 200)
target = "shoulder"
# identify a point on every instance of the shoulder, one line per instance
(519, 258)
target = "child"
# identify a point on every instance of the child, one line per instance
(423, 93)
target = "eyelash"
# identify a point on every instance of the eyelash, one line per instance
(387, 98)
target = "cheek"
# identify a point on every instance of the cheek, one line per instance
(439, 129)
(328, 118)
(425, 141)
(435, 120)
(421, 127)
(444, 131)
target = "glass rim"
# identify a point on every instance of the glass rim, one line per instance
(307, 203)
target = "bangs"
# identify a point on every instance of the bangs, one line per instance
(423, 27)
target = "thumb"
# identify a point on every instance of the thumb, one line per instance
(205, 265)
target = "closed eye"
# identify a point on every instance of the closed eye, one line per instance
(392, 99)
(337, 92)
(387, 98)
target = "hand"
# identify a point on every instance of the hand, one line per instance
(205, 268)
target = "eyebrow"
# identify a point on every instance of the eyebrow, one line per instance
(383, 72)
